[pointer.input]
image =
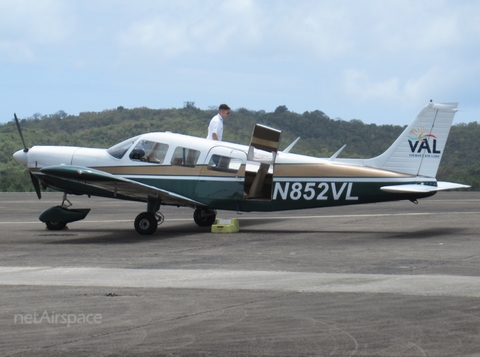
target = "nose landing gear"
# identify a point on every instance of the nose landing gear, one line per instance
(57, 217)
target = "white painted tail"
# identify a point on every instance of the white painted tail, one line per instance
(419, 149)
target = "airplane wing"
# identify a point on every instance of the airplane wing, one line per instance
(421, 188)
(119, 186)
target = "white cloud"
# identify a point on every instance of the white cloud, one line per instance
(211, 28)
(322, 31)
(157, 35)
(360, 87)
(42, 22)
(25, 24)
(306, 54)
(15, 51)
(437, 83)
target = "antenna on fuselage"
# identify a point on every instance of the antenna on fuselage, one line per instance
(289, 147)
(334, 156)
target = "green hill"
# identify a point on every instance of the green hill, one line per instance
(320, 136)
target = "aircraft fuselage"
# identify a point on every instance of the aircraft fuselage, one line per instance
(219, 176)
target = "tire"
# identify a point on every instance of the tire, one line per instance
(204, 217)
(55, 226)
(146, 223)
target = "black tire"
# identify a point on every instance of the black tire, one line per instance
(146, 223)
(204, 217)
(55, 226)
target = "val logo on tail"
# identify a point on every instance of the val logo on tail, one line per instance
(420, 136)
(173, 169)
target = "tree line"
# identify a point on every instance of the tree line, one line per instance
(320, 136)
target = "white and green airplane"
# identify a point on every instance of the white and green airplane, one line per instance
(165, 168)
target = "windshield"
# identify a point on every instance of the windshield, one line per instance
(120, 149)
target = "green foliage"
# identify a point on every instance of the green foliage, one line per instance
(320, 136)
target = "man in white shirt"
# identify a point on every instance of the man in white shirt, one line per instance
(215, 128)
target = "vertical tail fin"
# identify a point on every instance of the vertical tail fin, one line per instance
(419, 149)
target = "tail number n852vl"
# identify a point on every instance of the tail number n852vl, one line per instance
(313, 191)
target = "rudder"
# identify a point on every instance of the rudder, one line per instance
(419, 149)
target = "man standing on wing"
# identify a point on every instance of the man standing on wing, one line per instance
(215, 128)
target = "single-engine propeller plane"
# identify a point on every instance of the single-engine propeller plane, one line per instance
(165, 168)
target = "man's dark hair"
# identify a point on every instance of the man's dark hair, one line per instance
(223, 107)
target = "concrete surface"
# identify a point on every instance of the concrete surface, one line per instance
(391, 279)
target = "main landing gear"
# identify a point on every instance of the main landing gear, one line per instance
(204, 217)
(146, 223)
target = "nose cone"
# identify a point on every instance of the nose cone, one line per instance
(21, 156)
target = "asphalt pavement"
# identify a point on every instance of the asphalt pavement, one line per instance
(389, 279)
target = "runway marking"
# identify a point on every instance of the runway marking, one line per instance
(416, 285)
(279, 217)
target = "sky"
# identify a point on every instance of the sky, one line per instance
(379, 61)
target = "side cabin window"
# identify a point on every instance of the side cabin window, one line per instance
(149, 151)
(224, 163)
(185, 157)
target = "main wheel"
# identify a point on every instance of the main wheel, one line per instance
(204, 217)
(55, 226)
(146, 223)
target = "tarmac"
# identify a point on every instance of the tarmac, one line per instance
(389, 279)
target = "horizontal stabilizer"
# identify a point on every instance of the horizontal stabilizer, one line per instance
(442, 185)
(422, 188)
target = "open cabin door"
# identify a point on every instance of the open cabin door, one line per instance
(261, 162)
(222, 175)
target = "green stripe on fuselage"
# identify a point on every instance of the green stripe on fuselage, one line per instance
(229, 194)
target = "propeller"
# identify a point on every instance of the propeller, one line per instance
(25, 148)
(35, 181)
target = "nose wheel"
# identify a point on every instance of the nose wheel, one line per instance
(55, 226)
(146, 223)
(57, 217)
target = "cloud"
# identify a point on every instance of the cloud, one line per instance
(26, 24)
(12, 51)
(150, 31)
(305, 54)
(437, 83)
(206, 28)
(241, 27)
(360, 87)
(34, 21)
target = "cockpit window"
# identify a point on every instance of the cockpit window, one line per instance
(185, 157)
(149, 151)
(120, 149)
